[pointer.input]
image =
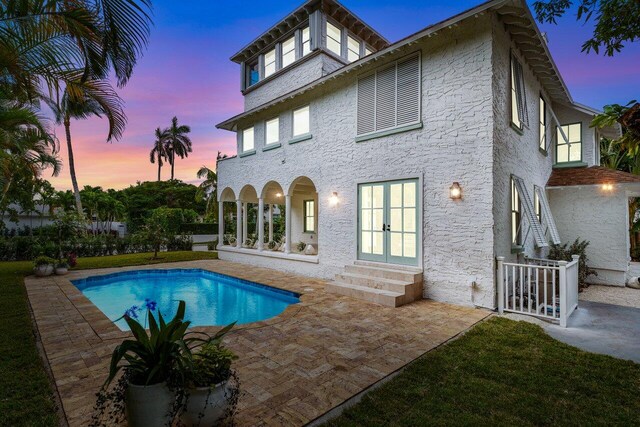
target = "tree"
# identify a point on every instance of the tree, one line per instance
(177, 142)
(81, 100)
(616, 21)
(207, 190)
(628, 118)
(159, 150)
(155, 231)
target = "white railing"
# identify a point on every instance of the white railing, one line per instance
(540, 287)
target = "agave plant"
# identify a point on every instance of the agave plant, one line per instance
(163, 353)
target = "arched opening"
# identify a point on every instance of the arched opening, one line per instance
(274, 208)
(249, 220)
(227, 217)
(302, 218)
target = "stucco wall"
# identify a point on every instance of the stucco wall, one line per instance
(590, 213)
(455, 144)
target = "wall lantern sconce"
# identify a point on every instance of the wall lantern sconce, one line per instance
(333, 200)
(278, 195)
(607, 187)
(455, 191)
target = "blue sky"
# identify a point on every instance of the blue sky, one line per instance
(187, 72)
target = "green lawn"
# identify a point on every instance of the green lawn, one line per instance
(25, 392)
(504, 372)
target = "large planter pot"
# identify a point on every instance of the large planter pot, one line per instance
(205, 406)
(149, 406)
(43, 270)
(61, 271)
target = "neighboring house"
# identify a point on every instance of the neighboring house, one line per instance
(417, 162)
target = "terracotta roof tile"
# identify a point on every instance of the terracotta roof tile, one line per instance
(594, 175)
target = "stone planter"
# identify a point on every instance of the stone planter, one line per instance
(61, 271)
(205, 405)
(149, 406)
(43, 270)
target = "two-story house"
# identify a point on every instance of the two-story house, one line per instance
(404, 169)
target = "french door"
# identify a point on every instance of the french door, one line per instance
(388, 217)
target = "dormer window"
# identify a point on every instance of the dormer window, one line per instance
(269, 63)
(353, 49)
(253, 73)
(334, 39)
(288, 51)
(306, 41)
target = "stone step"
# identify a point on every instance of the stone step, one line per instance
(365, 293)
(385, 272)
(373, 282)
(410, 268)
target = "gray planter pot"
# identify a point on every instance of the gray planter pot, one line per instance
(43, 270)
(205, 406)
(149, 406)
(61, 271)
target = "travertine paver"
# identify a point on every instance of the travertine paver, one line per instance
(292, 368)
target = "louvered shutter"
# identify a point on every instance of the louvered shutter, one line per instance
(366, 104)
(408, 90)
(386, 98)
(547, 217)
(527, 205)
(520, 92)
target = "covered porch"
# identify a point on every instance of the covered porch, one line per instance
(271, 221)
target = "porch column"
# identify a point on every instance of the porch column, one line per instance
(245, 222)
(287, 225)
(270, 222)
(260, 224)
(220, 222)
(238, 223)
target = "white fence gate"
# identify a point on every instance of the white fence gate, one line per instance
(540, 287)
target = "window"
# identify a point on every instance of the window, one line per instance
(571, 149)
(301, 121)
(353, 49)
(389, 97)
(518, 102)
(537, 204)
(309, 216)
(334, 39)
(272, 131)
(306, 41)
(253, 74)
(269, 63)
(247, 140)
(288, 51)
(515, 215)
(543, 124)
(367, 51)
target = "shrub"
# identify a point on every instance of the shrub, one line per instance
(211, 365)
(199, 228)
(564, 253)
(212, 246)
(43, 260)
(182, 242)
(272, 245)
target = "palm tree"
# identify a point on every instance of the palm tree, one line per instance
(159, 150)
(177, 142)
(208, 190)
(80, 100)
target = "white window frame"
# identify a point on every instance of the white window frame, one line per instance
(274, 62)
(291, 52)
(340, 30)
(561, 141)
(349, 51)
(515, 212)
(542, 105)
(395, 64)
(303, 41)
(518, 104)
(275, 121)
(245, 133)
(293, 121)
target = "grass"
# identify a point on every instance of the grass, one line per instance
(504, 372)
(26, 397)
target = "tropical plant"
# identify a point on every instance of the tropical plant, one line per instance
(564, 252)
(211, 365)
(177, 142)
(207, 190)
(628, 118)
(43, 260)
(159, 151)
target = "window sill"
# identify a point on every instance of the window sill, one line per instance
(515, 249)
(300, 138)
(570, 165)
(387, 132)
(515, 127)
(271, 146)
(247, 153)
(543, 152)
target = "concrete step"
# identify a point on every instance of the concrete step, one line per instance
(373, 282)
(365, 293)
(410, 268)
(385, 272)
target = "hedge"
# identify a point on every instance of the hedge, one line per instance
(199, 228)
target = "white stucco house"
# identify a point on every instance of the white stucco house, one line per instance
(411, 167)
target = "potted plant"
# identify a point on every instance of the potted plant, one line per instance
(272, 245)
(43, 266)
(301, 246)
(149, 361)
(62, 267)
(208, 394)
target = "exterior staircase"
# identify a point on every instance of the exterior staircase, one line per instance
(385, 284)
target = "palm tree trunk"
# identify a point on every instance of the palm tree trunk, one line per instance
(159, 167)
(72, 167)
(173, 162)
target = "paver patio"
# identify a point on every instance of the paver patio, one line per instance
(293, 368)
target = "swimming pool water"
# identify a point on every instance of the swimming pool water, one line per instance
(212, 299)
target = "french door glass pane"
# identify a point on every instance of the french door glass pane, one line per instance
(396, 244)
(378, 242)
(409, 194)
(366, 242)
(396, 195)
(378, 196)
(410, 220)
(409, 246)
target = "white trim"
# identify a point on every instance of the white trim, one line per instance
(313, 259)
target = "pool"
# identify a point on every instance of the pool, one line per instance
(212, 299)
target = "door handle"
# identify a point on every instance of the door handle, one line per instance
(384, 227)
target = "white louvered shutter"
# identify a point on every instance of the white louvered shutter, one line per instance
(408, 89)
(527, 205)
(367, 104)
(386, 98)
(548, 217)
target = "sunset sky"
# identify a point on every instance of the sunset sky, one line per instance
(186, 72)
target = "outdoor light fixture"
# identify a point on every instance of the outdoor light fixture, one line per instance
(607, 187)
(455, 191)
(333, 200)
(278, 195)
